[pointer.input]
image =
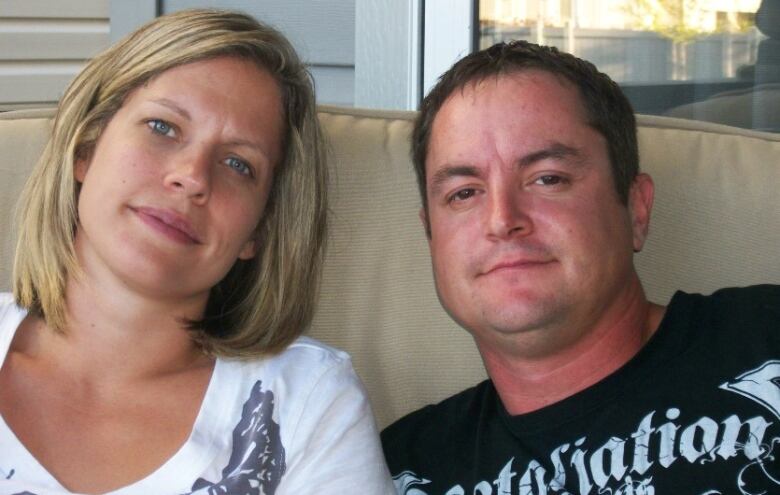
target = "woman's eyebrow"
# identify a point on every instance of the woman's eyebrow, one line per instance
(170, 104)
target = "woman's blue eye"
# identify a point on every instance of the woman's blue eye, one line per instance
(239, 166)
(160, 127)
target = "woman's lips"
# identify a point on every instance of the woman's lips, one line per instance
(169, 223)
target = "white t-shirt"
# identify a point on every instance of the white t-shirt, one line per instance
(295, 423)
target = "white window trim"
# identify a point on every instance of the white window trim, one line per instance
(126, 16)
(387, 53)
(449, 31)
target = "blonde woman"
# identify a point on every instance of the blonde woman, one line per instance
(169, 249)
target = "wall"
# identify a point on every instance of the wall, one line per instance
(44, 44)
(322, 31)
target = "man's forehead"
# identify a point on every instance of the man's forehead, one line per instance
(464, 100)
(469, 98)
(522, 77)
(471, 133)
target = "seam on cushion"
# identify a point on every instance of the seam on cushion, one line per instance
(671, 123)
(643, 121)
(28, 114)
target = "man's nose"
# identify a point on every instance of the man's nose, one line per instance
(507, 212)
(190, 174)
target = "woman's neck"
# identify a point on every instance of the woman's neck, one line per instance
(114, 334)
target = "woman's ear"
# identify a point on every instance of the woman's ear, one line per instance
(249, 249)
(81, 165)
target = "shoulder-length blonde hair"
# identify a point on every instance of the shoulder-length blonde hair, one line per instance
(262, 304)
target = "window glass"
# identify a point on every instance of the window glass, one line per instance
(713, 60)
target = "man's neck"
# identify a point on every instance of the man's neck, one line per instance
(527, 382)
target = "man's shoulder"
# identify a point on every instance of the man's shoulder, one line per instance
(739, 305)
(428, 428)
(766, 295)
(733, 301)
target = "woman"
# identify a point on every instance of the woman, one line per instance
(169, 249)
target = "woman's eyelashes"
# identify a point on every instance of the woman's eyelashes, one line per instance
(239, 165)
(161, 127)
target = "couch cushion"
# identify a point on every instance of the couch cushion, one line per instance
(716, 223)
(716, 220)
(23, 135)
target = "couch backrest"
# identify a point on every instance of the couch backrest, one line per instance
(716, 223)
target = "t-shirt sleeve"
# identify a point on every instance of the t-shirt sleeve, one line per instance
(335, 447)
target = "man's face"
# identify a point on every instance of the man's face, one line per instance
(529, 241)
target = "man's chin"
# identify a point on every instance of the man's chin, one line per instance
(508, 310)
(522, 316)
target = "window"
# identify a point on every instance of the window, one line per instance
(714, 60)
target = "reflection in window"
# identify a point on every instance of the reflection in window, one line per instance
(715, 60)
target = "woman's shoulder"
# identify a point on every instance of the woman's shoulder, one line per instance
(305, 362)
(301, 350)
(307, 376)
(318, 351)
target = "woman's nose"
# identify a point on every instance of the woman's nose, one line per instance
(190, 174)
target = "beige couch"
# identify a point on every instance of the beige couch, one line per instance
(716, 223)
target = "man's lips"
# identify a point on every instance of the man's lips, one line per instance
(169, 223)
(517, 264)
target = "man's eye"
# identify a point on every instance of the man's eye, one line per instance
(550, 180)
(161, 127)
(462, 194)
(239, 166)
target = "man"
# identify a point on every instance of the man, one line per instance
(533, 205)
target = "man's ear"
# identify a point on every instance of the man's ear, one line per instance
(425, 222)
(640, 205)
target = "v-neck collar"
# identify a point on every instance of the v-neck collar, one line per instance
(209, 433)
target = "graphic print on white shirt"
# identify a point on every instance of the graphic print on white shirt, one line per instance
(604, 470)
(256, 463)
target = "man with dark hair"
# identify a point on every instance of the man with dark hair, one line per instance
(533, 204)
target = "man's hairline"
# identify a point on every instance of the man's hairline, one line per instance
(508, 72)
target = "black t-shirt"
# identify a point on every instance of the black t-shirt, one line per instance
(696, 411)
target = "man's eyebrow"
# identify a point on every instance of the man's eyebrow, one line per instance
(555, 150)
(170, 104)
(448, 171)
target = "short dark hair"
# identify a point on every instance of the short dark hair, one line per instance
(606, 107)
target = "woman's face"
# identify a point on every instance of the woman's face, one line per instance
(176, 185)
